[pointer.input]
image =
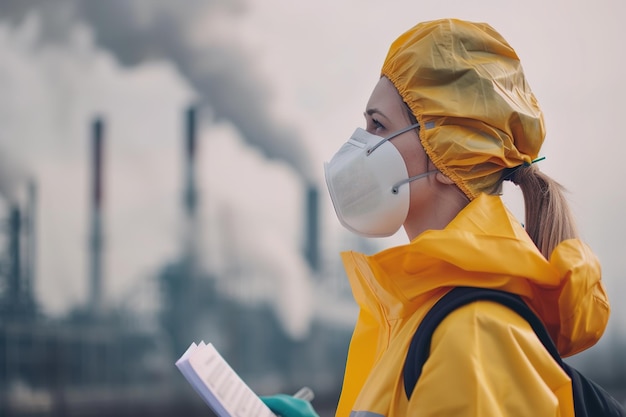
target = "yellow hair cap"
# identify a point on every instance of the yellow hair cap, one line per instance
(465, 85)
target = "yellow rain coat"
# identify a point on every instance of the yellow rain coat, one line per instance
(485, 360)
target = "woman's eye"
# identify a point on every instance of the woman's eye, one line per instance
(373, 125)
(377, 125)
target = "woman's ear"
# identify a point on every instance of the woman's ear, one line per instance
(443, 179)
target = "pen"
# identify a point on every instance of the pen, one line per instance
(305, 393)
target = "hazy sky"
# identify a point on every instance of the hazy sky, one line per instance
(280, 79)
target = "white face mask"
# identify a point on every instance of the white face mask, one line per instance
(365, 179)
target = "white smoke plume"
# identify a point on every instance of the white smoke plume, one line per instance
(195, 36)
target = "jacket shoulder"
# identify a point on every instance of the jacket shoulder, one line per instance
(490, 357)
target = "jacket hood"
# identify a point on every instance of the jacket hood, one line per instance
(485, 246)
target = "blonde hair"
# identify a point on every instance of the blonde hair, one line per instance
(549, 219)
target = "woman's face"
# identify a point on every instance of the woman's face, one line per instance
(435, 199)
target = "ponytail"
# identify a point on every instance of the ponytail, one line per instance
(549, 219)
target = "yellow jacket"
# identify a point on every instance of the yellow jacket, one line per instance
(485, 360)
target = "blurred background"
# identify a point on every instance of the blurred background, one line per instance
(161, 183)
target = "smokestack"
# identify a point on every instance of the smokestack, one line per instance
(30, 245)
(190, 199)
(311, 248)
(97, 195)
(20, 290)
(15, 271)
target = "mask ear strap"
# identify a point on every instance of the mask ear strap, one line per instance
(394, 189)
(393, 135)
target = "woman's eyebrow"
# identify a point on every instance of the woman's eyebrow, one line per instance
(372, 111)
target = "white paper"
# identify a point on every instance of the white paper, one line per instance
(218, 384)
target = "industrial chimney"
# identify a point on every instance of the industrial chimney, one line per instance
(190, 192)
(18, 253)
(311, 246)
(96, 235)
(30, 250)
(15, 253)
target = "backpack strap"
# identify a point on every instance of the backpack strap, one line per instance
(419, 349)
(590, 399)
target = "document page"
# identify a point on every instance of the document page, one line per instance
(218, 384)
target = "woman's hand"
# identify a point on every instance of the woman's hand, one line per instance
(288, 406)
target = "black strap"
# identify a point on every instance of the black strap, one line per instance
(590, 399)
(419, 349)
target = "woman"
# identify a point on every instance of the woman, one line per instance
(450, 119)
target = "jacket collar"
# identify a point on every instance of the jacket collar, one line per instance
(484, 246)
